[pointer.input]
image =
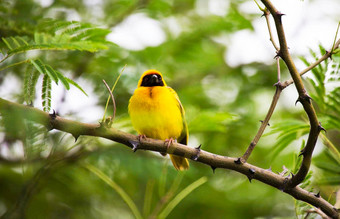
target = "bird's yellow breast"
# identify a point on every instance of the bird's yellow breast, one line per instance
(155, 112)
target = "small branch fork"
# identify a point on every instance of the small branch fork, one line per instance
(75, 128)
(281, 86)
(303, 98)
(282, 52)
(265, 122)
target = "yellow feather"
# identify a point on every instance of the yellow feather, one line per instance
(156, 112)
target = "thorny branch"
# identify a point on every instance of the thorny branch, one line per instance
(282, 86)
(313, 65)
(265, 122)
(52, 121)
(303, 98)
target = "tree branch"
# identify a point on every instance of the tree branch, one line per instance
(313, 65)
(264, 124)
(75, 128)
(266, 14)
(283, 85)
(303, 98)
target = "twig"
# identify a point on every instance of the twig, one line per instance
(319, 212)
(272, 107)
(336, 36)
(278, 69)
(14, 64)
(303, 98)
(215, 160)
(313, 65)
(113, 101)
(265, 122)
(263, 125)
(113, 88)
(266, 14)
(271, 38)
(4, 58)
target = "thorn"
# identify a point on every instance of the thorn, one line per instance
(321, 128)
(76, 136)
(330, 56)
(53, 115)
(269, 169)
(317, 195)
(279, 14)
(278, 54)
(238, 161)
(197, 155)
(134, 145)
(302, 152)
(298, 100)
(251, 171)
(307, 98)
(213, 168)
(250, 178)
(263, 121)
(292, 174)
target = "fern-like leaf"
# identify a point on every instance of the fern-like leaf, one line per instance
(30, 80)
(288, 131)
(55, 75)
(46, 93)
(76, 85)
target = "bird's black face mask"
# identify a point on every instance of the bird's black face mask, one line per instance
(152, 80)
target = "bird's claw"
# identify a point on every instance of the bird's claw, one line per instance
(141, 137)
(169, 142)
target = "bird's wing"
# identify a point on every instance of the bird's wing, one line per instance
(183, 138)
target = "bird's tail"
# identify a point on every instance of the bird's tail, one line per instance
(180, 163)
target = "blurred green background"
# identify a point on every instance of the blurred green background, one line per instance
(223, 78)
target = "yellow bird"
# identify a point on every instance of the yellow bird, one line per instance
(156, 112)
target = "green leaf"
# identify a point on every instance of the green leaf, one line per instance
(15, 41)
(46, 93)
(38, 65)
(45, 69)
(327, 166)
(184, 193)
(76, 85)
(7, 43)
(332, 180)
(23, 40)
(63, 80)
(116, 187)
(51, 73)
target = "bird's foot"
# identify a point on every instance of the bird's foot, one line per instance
(141, 137)
(169, 142)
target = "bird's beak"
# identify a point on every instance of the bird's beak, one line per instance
(154, 79)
